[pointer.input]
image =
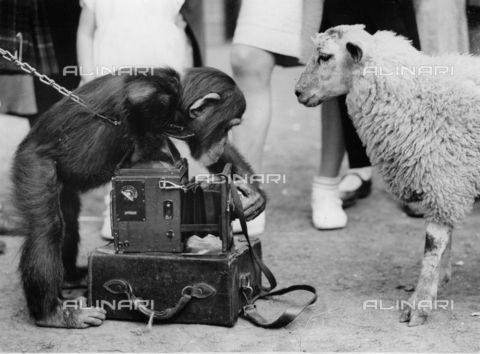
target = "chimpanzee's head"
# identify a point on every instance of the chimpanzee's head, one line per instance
(212, 104)
(152, 101)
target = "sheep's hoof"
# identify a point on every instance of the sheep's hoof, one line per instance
(412, 314)
(414, 317)
(405, 315)
(417, 318)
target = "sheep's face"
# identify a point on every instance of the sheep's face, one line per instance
(329, 70)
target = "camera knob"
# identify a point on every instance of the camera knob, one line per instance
(129, 193)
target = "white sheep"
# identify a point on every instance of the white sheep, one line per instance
(419, 118)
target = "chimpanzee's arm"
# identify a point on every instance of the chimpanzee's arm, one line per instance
(254, 197)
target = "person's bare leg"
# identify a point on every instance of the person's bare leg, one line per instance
(327, 212)
(333, 146)
(252, 70)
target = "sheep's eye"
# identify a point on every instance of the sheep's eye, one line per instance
(324, 57)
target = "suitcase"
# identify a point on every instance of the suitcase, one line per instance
(158, 281)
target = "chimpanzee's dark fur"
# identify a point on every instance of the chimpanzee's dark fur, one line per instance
(70, 150)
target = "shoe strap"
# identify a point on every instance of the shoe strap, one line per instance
(350, 173)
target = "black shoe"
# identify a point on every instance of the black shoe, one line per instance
(412, 211)
(350, 198)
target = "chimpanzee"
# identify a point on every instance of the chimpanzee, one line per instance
(73, 148)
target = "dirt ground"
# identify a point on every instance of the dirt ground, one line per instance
(375, 258)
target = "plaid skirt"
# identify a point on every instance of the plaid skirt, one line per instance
(27, 17)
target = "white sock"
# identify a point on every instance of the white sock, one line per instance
(327, 212)
(352, 181)
(326, 182)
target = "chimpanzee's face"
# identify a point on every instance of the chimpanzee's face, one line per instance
(215, 105)
(207, 146)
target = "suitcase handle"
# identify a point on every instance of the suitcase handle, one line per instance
(195, 291)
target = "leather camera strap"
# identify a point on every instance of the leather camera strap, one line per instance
(249, 311)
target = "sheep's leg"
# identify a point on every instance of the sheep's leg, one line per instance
(422, 301)
(446, 264)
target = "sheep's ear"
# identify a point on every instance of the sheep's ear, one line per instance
(355, 52)
(197, 107)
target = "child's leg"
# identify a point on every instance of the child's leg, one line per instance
(327, 212)
(357, 181)
(252, 70)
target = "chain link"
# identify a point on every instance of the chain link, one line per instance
(50, 82)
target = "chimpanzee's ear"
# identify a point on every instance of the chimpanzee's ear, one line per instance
(196, 108)
(355, 52)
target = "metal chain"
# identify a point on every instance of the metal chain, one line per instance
(50, 82)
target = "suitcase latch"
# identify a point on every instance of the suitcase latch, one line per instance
(246, 286)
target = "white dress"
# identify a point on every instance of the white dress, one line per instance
(145, 33)
(279, 26)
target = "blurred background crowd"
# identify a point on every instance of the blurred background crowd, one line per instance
(75, 41)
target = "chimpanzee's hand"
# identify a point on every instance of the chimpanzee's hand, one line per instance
(253, 199)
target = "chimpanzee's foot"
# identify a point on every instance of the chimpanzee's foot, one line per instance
(76, 279)
(74, 314)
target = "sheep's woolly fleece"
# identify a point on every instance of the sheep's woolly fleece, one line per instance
(421, 130)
